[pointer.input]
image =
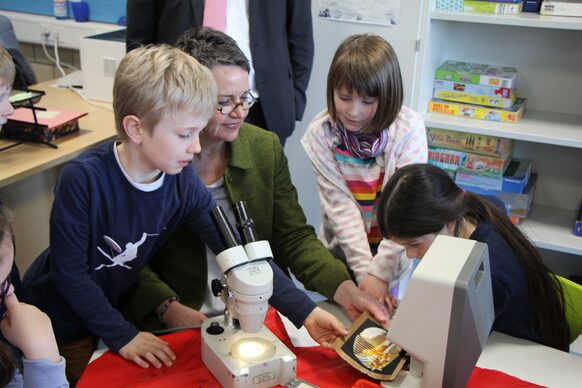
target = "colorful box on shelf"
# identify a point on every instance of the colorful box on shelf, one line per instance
(514, 180)
(462, 141)
(484, 90)
(478, 74)
(449, 5)
(446, 159)
(517, 205)
(578, 222)
(561, 8)
(532, 5)
(452, 160)
(511, 115)
(492, 7)
(476, 99)
(485, 165)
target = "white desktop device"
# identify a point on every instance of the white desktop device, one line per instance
(100, 56)
(446, 314)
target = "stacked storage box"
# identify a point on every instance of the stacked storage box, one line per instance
(508, 7)
(478, 91)
(483, 164)
(511, 7)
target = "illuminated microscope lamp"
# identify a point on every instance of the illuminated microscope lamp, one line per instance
(236, 347)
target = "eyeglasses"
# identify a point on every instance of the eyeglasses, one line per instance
(227, 105)
(4, 287)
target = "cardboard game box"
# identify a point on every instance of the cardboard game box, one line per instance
(453, 160)
(532, 5)
(484, 90)
(514, 179)
(511, 115)
(507, 8)
(446, 159)
(449, 5)
(478, 74)
(562, 8)
(462, 141)
(477, 99)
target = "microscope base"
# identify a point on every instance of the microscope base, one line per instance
(276, 368)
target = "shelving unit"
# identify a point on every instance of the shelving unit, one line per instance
(525, 19)
(547, 53)
(566, 129)
(550, 228)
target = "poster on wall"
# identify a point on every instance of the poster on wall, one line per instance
(381, 12)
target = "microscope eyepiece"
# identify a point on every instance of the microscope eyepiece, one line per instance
(227, 234)
(244, 223)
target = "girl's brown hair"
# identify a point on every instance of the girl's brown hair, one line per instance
(421, 199)
(7, 358)
(367, 65)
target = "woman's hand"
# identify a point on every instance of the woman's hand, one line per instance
(179, 315)
(30, 330)
(355, 302)
(323, 327)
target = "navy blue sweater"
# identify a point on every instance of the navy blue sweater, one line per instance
(513, 311)
(103, 231)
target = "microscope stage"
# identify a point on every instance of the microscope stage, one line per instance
(239, 359)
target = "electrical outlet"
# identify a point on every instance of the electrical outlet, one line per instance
(45, 32)
(50, 34)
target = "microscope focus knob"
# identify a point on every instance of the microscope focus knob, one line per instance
(215, 328)
(216, 287)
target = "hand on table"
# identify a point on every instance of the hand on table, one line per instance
(145, 349)
(323, 327)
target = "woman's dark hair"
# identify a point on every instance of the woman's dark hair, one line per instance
(7, 360)
(211, 47)
(421, 199)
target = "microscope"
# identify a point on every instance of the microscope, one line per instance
(236, 347)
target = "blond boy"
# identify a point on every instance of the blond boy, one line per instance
(117, 203)
(7, 72)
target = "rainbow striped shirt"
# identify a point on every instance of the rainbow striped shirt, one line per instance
(364, 178)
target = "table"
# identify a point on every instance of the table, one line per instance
(505, 361)
(531, 361)
(315, 365)
(29, 171)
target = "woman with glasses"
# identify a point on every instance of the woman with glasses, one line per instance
(26, 328)
(238, 162)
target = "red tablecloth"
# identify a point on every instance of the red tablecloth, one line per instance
(315, 365)
(490, 378)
